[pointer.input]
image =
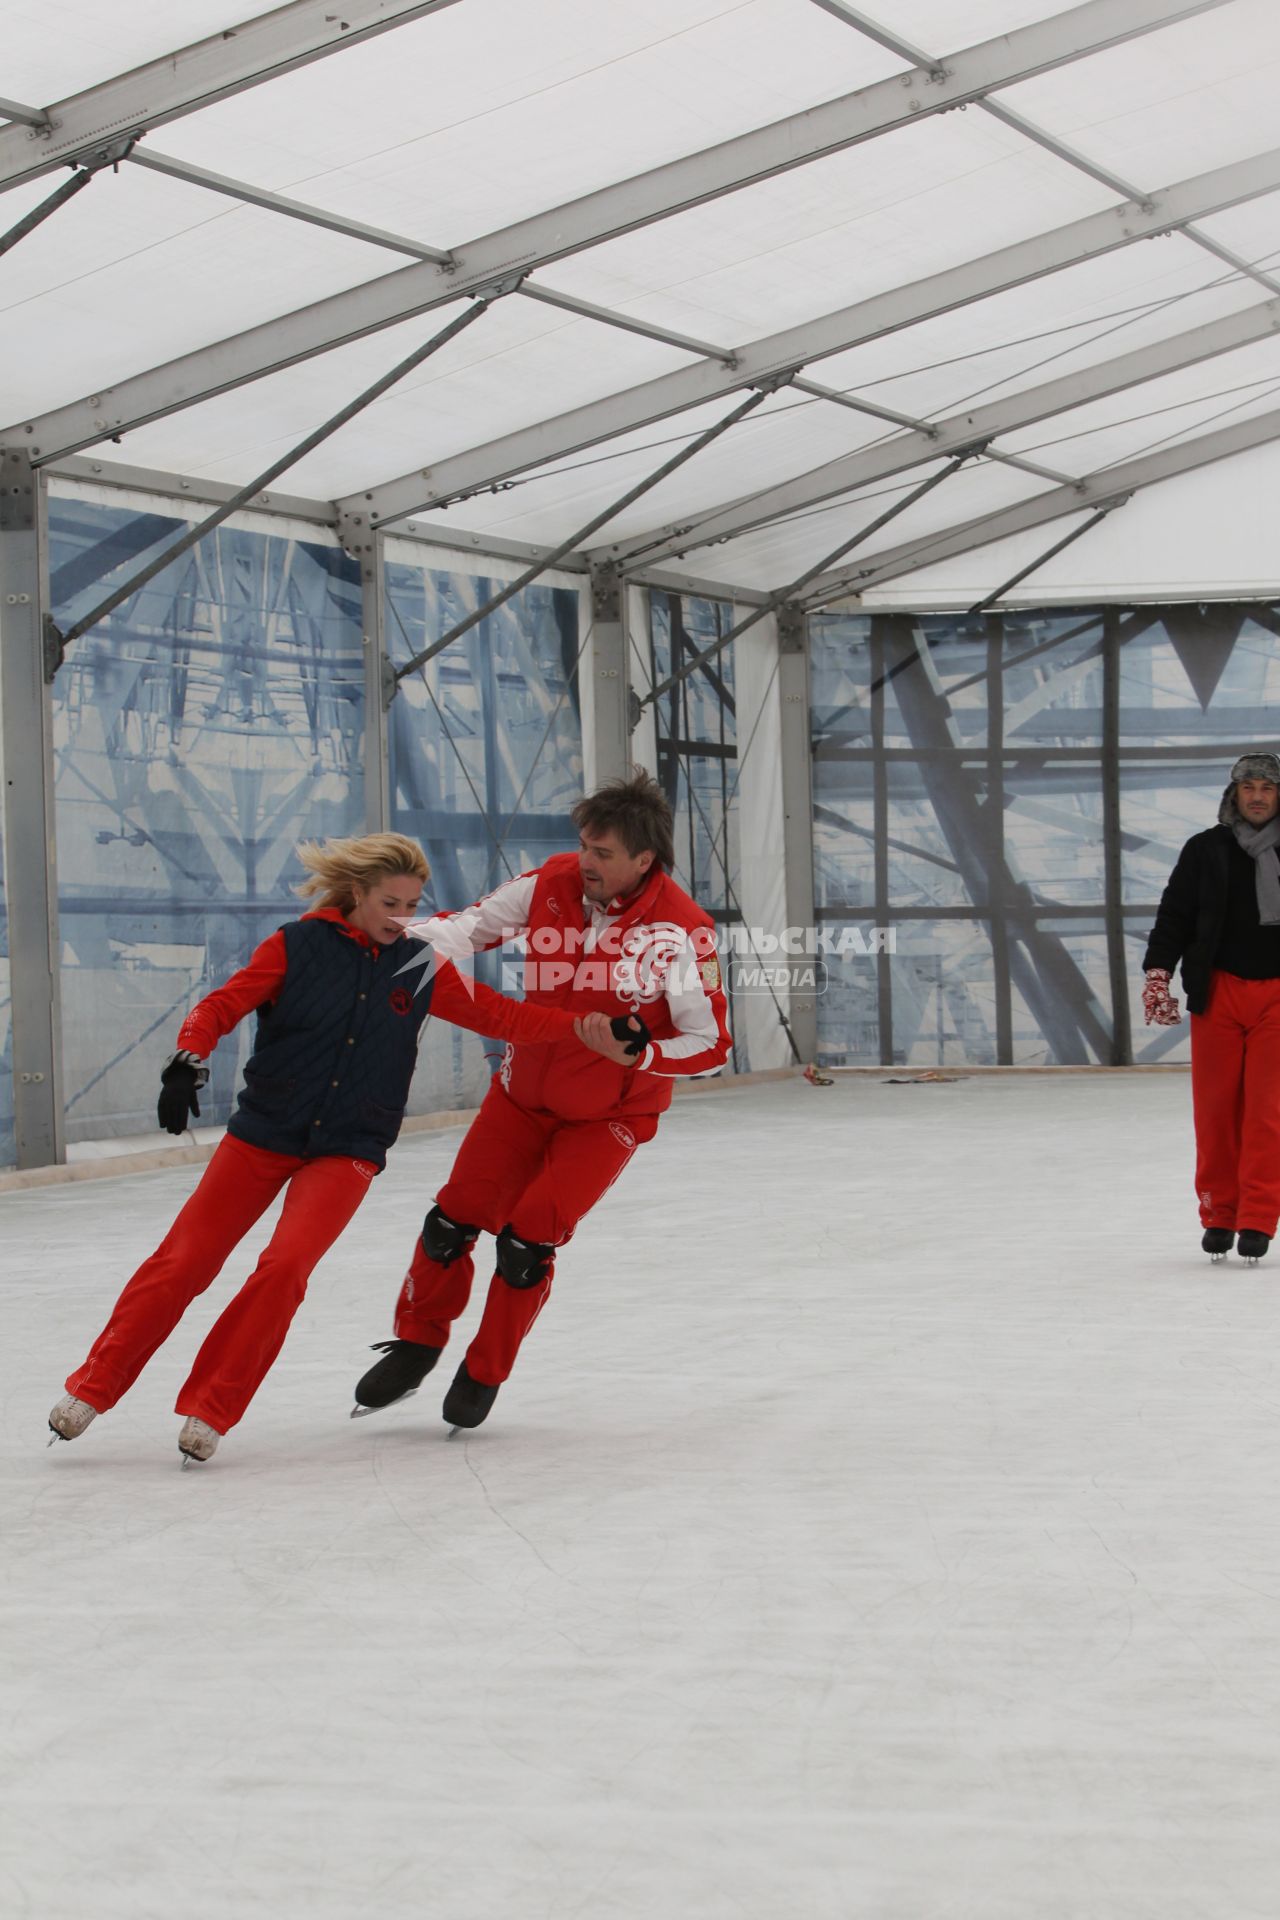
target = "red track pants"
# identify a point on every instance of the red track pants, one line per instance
(239, 1184)
(1235, 1090)
(533, 1172)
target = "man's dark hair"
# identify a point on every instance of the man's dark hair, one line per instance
(637, 810)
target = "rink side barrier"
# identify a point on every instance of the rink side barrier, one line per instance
(113, 1159)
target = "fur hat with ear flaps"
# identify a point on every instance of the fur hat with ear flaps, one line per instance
(1257, 764)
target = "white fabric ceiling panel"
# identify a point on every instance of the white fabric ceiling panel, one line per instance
(944, 26)
(1080, 317)
(53, 48)
(779, 439)
(495, 376)
(1160, 412)
(1204, 535)
(1196, 95)
(770, 557)
(837, 231)
(139, 268)
(470, 119)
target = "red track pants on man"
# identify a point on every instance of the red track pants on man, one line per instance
(1235, 1090)
(533, 1172)
(239, 1184)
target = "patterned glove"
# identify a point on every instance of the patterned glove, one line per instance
(1158, 1004)
(632, 1031)
(180, 1079)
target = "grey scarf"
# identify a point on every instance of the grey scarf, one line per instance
(1257, 843)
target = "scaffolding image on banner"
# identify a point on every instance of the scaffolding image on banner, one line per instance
(202, 730)
(697, 753)
(1005, 795)
(485, 751)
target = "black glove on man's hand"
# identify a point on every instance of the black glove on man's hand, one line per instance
(180, 1079)
(631, 1029)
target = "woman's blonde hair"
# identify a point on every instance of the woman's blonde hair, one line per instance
(338, 867)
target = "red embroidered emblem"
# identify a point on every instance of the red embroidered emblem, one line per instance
(401, 1000)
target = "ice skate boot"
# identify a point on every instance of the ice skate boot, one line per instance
(70, 1417)
(468, 1401)
(1218, 1242)
(402, 1369)
(1251, 1245)
(197, 1441)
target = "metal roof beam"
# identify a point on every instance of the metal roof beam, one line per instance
(935, 441)
(915, 56)
(621, 208)
(194, 76)
(542, 295)
(1108, 488)
(1098, 233)
(278, 203)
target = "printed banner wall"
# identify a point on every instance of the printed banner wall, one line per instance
(485, 746)
(216, 719)
(1004, 797)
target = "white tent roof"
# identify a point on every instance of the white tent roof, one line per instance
(973, 257)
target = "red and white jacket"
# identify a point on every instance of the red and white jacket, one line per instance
(653, 953)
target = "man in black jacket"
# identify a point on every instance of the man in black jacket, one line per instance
(1220, 915)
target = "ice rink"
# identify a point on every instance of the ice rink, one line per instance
(881, 1522)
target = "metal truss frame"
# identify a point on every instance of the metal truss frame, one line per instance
(104, 124)
(1108, 488)
(192, 77)
(645, 198)
(901, 307)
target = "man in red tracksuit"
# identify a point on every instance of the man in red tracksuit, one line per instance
(607, 931)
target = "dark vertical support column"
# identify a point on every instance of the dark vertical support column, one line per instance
(31, 884)
(880, 824)
(997, 900)
(796, 749)
(1112, 864)
(365, 545)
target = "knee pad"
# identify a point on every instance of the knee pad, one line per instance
(444, 1240)
(523, 1263)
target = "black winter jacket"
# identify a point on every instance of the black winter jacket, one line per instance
(1192, 913)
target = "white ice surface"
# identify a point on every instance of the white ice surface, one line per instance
(881, 1522)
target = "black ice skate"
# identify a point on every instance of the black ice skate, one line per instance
(402, 1369)
(468, 1401)
(1251, 1245)
(1218, 1241)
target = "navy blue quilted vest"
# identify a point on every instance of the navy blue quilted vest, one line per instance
(333, 1057)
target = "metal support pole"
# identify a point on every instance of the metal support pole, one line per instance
(30, 221)
(788, 592)
(797, 808)
(90, 164)
(607, 682)
(1043, 559)
(241, 498)
(364, 544)
(31, 887)
(593, 525)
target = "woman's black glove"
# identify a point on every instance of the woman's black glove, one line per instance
(631, 1029)
(180, 1080)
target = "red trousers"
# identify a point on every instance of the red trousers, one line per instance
(1235, 1091)
(238, 1186)
(538, 1175)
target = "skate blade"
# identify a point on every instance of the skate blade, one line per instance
(55, 1436)
(361, 1413)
